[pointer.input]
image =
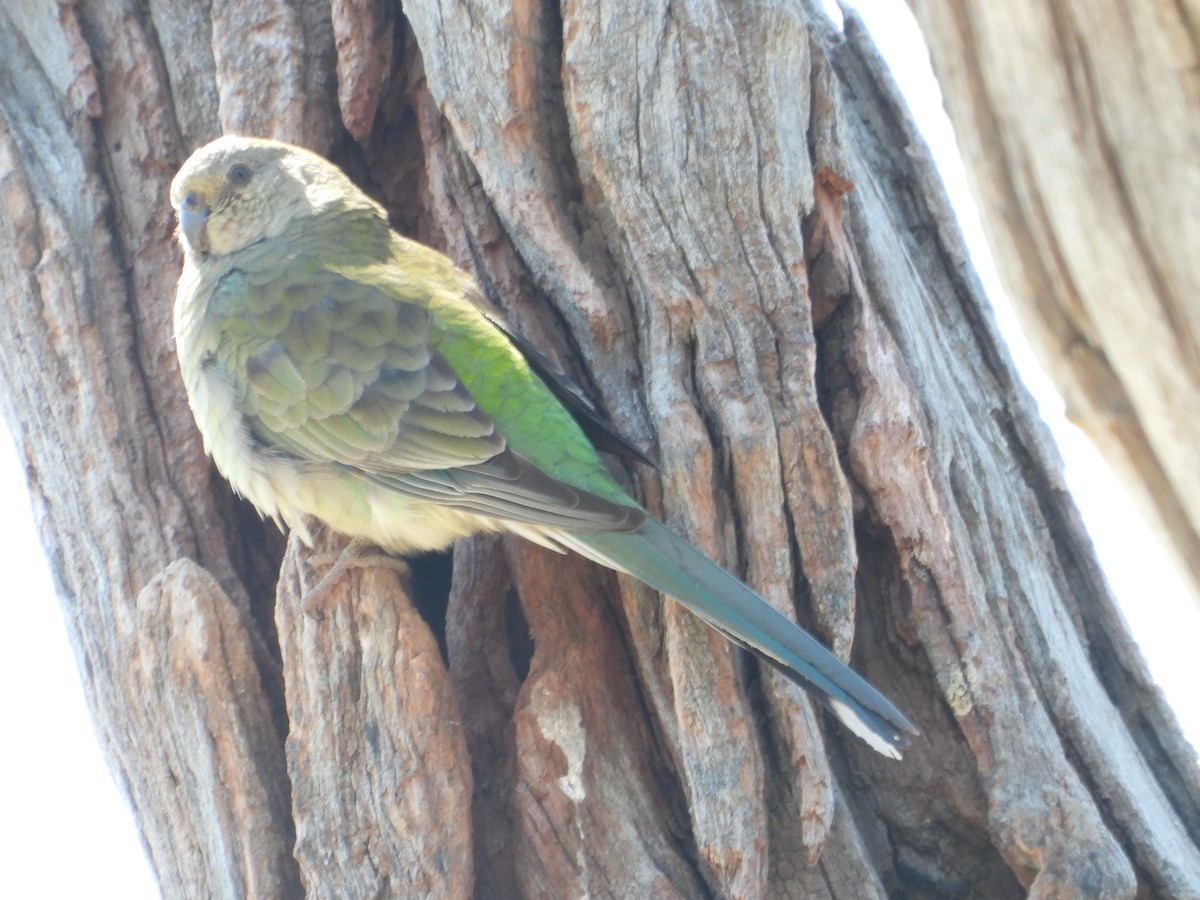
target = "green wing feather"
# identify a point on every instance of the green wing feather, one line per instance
(367, 368)
(597, 428)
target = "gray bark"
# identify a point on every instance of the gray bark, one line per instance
(720, 219)
(1079, 124)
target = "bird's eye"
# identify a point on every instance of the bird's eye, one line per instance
(239, 175)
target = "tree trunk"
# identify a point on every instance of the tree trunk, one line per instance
(720, 220)
(1079, 123)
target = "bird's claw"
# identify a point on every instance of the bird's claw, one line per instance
(355, 554)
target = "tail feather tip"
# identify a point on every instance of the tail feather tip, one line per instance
(890, 747)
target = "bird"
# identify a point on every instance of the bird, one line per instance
(340, 371)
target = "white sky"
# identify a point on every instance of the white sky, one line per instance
(59, 802)
(65, 831)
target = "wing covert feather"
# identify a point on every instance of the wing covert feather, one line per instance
(334, 370)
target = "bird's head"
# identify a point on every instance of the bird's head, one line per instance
(237, 191)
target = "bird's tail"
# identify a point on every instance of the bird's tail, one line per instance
(669, 564)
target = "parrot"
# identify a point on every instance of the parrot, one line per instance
(341, 372)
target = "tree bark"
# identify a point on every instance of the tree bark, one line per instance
(1079, 124)
(721, 221)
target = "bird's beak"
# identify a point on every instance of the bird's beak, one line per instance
(193, 216)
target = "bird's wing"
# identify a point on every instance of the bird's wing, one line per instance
(332, 369)
(598, 429)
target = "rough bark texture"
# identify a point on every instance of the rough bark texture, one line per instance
(719, 218)
(1079, 123)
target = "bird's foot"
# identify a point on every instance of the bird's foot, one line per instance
(355, 555)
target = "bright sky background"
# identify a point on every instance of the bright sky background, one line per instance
(58, 802)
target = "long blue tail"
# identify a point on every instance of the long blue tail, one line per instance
(670, 565)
